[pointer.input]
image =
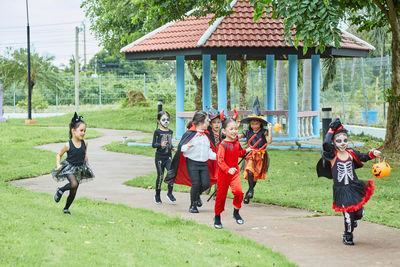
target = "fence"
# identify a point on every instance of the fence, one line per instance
(359, 84)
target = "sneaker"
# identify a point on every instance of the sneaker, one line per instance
(217, 222)
(199, 202)
(171, 197)
(238, 218)
(58, 195)
(157, 199)
(348, 239)
(193, 209)
(66, 211)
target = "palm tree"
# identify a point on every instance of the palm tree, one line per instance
(42, 69)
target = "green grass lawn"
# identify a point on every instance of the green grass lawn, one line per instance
(292, 182)
(34, 231)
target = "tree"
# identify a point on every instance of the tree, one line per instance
(42, 69)
(316, 24)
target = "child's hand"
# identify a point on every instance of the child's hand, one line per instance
(164, 144)
(269, 126)
(232, 171)
(377, 153)
(59, 167)
(248, 149)
(174, 149)
(190, 146)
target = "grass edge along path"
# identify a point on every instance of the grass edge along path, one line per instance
(35, 232)
(292, 182)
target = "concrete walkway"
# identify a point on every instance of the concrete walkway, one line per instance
(305, 240)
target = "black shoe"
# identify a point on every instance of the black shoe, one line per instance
(199, 202)
(237, 217)
(193, 209)
(348, 239)
(355, 224)
(249, 195)
(66, 211)
(217, 222)
(157, 199)
(171, 197)
(58, 195)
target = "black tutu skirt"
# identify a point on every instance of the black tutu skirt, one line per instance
(83, 173)
(352, 197)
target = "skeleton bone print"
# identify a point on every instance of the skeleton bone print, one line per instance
(345, 172)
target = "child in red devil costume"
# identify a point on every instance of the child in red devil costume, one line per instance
(229, 151)
(339, 163)
(194, 162)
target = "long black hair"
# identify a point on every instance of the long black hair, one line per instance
(198, 117)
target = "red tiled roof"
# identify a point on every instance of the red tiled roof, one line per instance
(236, 30)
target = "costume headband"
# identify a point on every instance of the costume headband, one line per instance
(234, 116)
(76, 119)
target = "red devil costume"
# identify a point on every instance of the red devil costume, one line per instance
(349, 193)
(181, 166)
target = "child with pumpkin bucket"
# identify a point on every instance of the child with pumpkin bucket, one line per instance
(339, 163)
(257, 161)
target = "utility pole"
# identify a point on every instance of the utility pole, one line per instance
(76, 69)
(29, 66)
(84, 46)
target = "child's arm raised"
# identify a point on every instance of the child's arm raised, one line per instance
(64, 149)
(268, 134)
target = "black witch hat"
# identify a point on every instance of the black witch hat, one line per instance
(212, 113)
(255, 114)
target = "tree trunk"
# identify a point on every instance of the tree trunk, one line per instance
(214, 87)
(243, 85)
(228, 93)
(199, 87)
(392, 139)
(306, 102)
(280, 85)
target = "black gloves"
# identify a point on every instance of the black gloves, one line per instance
(335, 124)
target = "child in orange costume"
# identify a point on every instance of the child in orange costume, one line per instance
(228, 172)
(257, 162)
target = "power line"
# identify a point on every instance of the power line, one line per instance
(40, 25)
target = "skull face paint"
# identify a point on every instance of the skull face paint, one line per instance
(341, 141)
(164, 120)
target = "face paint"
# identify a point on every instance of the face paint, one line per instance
(341, 142)
(164, 121)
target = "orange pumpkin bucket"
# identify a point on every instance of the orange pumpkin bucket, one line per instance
(277, 127)
(381, 169)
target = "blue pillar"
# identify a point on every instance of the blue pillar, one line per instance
(270, 85)
(221, 68)
(180, 95)
(293, 98)
(315, 90)
(206, 81)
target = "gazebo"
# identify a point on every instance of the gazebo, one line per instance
(236, 37)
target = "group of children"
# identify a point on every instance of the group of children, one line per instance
(208, 154)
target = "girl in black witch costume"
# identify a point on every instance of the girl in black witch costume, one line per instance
(75, 167)
(162, 140)
(194, 161)
(339, 163)
(257, 162)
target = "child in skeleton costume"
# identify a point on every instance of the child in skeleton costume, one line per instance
(194, 161)
(75, 167)
(214, 128)
(162, 140)
(339, 163)
(228, 154)
(257, 162)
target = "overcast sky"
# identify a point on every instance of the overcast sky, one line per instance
(52, 28)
